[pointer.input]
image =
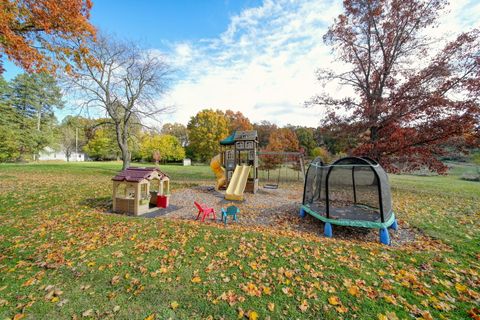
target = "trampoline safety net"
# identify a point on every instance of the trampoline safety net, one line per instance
(351, 188)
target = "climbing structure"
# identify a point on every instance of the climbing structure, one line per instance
(239, 162)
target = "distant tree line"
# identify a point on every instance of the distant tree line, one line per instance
(410, 105)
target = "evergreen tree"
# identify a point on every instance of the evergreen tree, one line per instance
(34, 97)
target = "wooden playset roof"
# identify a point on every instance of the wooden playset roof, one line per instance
(137, 174)
(239, 136)
(246, 135)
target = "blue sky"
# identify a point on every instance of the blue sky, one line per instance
(255, 56)
(159, 22)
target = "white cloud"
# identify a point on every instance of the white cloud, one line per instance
(264, 63)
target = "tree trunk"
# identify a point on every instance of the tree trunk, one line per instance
(373, 139)
(39, 119)
(123, 145)
(126, 158)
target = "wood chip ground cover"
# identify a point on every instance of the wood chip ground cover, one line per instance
(63, 257)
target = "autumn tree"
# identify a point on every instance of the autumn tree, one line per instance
(102, 146)
(72, 134)
(35, 34)
(161, 146)
(264, 128)
(237, 121)
(408, 98)
(280, 140)
(83, 128)
(323, 153)
(205, 130)
(123, 81)
(283, 139)
(334, 139)
(306, 139)
(177, 130)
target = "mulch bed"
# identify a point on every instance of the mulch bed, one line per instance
(276, 209)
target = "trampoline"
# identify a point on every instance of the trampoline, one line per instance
(352, 191)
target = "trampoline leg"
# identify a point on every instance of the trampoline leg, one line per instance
(327, 230)
(384, 236)
(394, 225)
(302, 213)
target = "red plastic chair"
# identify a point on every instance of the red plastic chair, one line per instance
(202, 208)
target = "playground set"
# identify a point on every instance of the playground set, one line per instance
(236, 167)
(352, 191)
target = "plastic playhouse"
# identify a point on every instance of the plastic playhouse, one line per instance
(352, 191)
(137, 190)
(236, 167)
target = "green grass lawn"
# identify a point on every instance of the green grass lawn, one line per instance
(61, 257)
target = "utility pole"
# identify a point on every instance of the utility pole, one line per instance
(76, 144)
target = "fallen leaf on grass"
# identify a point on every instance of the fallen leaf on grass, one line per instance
(460, 287)
(388, 316)
(334, 300)
(116, 308)
(196, 279)
(288, 291)
(87, 313)
(426, 315)
(62, 303)
(341, 309)
(174, 305)
(271, 306)
(241, 313)
(19, 316)
(115, 280)
(252, 315)
(303, 306)
(474, 313)
(29, 282)
(354, 291)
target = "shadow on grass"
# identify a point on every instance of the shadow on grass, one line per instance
(103, 203)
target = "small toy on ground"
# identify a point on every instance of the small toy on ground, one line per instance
(352, 191)
(231, 211)
(205, 210)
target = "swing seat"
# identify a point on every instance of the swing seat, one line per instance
(271, 186)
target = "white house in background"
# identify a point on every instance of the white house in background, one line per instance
(50, 154)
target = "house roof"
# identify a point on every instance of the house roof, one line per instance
(137, 174)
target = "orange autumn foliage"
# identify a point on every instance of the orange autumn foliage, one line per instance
(35, 34)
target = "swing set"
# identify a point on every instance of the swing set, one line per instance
(288, 162)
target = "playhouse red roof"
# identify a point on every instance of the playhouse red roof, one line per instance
(136, 174)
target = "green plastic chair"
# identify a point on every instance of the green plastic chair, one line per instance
(231, 211)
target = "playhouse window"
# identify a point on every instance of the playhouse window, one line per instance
(155, 185)
(143, 190)
(121, 190)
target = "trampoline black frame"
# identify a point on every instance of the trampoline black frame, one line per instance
(368, 162)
